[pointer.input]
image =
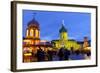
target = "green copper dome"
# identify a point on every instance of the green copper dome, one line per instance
(63, 29)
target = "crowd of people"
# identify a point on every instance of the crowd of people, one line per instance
(60, 55)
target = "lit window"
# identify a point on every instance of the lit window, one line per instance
(34, 33)
(31, 32)
(27, 33)
(37, 34)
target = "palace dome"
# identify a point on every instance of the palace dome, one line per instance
(33, 23)
(63, 29)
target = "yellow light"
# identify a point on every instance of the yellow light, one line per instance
(37, 34)
(27, 54)
(87, 48)
(31, 32)
(27, 33)
(26, 40)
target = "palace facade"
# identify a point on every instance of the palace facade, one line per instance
(64, 41)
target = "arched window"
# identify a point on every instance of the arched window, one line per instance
(37, 34)
(27, 33)
(34, 33)
(31, 32)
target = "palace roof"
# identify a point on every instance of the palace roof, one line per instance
(33, 23)
(63, 29)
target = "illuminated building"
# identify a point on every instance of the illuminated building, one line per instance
(86, 44)
(64, 41)
(32, 42)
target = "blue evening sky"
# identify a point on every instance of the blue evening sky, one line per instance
(78, 24)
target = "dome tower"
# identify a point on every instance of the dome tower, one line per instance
(33, 30)
(63, 32)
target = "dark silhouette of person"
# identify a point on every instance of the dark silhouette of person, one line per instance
(77, 52)
(89, 53)
(40, 55)
(72, 50)
(50, 55)
(61, 53)
(66, 54)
